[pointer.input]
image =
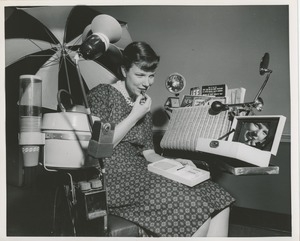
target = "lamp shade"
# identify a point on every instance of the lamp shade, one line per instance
(86, 32)
(93, 47)
(97, 36)
(108, 26)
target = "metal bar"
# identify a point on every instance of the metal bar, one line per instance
(263, 86)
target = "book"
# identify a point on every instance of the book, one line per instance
(215, 90)
(174, 170)
(195, 91)
(236, 95)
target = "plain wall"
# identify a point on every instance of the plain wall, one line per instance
(215, 45)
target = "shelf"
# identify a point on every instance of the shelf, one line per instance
(211, 162)
(238, 170)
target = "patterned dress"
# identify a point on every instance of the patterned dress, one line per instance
(162, 206)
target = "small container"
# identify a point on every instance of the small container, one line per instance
(96, 183)
(30, 118)
(30, 103)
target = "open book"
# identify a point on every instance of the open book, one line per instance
(178, 172)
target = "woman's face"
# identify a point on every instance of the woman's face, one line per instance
(256, 132)
(137, 80)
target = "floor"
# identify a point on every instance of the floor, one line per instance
(236, 230)
(30, 212)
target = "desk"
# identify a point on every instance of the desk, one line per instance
(221, 163)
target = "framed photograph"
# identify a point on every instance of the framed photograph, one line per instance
(262, 132)
(201, 100)
(173, 102)
(187, 101)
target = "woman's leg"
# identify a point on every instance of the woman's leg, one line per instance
(219, 224)
(203, 230)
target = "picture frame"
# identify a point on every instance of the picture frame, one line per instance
(173, 102)
(261, 131)
(200, 100)
(187, 101)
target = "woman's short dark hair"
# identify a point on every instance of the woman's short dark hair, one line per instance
(266, 144)
(140, 54)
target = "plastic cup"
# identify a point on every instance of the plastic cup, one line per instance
(30, 155)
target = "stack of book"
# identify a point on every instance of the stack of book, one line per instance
(233, 96)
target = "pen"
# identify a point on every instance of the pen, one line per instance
(143, 93)
(180, 168)
(227, 134)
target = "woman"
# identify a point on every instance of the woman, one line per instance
(159, 205)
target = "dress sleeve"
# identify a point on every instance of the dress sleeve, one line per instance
(99, 102)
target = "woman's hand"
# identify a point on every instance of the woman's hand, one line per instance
(141, 107)
(151, 156)
(185, 162)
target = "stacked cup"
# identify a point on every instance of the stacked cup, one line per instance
(30, 118)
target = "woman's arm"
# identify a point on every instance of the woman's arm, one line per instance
(138, 111)
(99, 101)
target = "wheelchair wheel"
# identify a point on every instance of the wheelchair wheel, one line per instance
(63, 217)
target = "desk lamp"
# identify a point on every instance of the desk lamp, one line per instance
(96, 38)
(68, 133)
(257, 103)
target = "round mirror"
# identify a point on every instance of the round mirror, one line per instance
(175, 83)
(264, 64)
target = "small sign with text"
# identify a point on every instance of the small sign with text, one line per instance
(214, 90)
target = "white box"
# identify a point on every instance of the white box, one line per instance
(235, 148)
(175, 171)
